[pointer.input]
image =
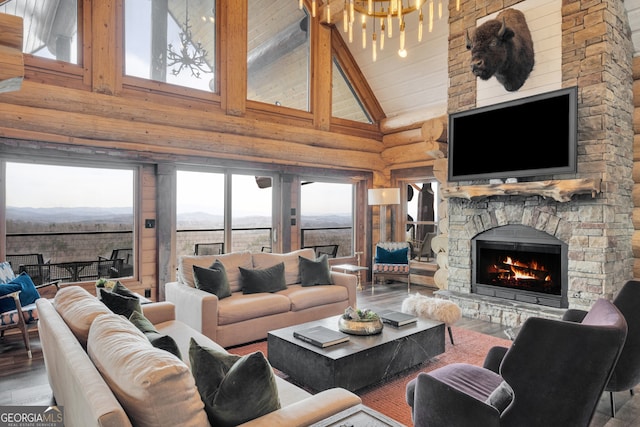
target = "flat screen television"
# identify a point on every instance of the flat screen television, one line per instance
(526, 137)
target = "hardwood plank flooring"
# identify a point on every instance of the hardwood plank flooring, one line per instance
(24, 381)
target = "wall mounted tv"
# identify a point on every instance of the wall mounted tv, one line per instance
(527, 137)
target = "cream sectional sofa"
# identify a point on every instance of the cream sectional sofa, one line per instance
(104, 372)
(242, 318)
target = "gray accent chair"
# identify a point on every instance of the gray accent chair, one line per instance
(626, 373)
(553, 375)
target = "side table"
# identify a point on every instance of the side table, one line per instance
(352, 269)
(359, 415)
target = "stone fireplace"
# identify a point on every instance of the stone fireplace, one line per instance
(520, 263)
(592, 231)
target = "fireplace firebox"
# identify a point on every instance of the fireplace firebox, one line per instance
(520, 263)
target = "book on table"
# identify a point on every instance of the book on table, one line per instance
(397, 318)
(321, 336)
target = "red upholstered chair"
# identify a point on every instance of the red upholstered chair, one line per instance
(553, 375)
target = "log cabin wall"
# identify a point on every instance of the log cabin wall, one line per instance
(92, 111)
(596, 57)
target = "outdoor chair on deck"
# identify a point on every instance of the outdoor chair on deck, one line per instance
(553, 375)
(391, 260)
(17, 302)
(16, 260)
(123, 268)
(209, 248)
(330, 250)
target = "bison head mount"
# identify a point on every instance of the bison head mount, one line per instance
(502, 47)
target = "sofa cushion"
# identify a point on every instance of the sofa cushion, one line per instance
(234, 389)
(230, 261)
(315, 272)
(121, 289)
(240, 307)
(257, 280)
(213, 279)
(153, 386)
(302, 298)
(78, 308)
(290, 259)
(120, 304)
(158, 340)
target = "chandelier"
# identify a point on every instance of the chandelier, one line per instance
(189, 55)
(383, 15)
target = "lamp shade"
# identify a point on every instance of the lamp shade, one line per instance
(384, 196)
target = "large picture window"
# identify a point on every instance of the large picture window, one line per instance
(77, 219)
(278, 54)
(326, 217)
(50, 27)
(171, 41)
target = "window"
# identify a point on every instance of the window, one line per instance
(50, 27)
(278, 54)
(326, 215)
(73, 216)
(345, 101)
(422, 213)
(171, 41)
(223, 212)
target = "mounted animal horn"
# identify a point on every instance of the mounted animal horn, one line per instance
(502, 29)
(469, 43)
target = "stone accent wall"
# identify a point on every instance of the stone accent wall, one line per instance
(596, 57)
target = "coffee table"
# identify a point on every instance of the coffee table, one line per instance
(362, 361)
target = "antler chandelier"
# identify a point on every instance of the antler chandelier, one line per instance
(189, 55)
(382, 14)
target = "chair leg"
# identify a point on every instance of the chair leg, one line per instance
(612, 399)
(450, 335)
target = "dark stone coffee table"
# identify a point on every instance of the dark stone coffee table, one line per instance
(362, 361)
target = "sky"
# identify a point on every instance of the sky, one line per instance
(48, 186)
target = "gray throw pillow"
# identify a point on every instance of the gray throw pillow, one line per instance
(120, 304)
(315, 272)
(234, 389)
(257, 280)
(213, 279)
(121, 289)
(163, 342)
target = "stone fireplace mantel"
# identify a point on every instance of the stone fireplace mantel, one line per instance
(558, 190)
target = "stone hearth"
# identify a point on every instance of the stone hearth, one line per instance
(596, 53)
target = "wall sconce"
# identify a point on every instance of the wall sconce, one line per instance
(383, 197)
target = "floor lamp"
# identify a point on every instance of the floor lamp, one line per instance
(383, 197)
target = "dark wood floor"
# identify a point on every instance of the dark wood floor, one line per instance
(24, 381)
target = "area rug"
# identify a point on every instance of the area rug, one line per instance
(388, 396)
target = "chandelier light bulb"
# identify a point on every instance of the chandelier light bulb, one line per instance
(364, 32)
(313, 8)
(420, 19)
(382, 29)
(300, 3)
(374, 44)
(440, 9)
(345, 20)
(328, 8)
(402, 53)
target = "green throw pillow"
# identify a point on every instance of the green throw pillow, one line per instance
(120, 304)
(213, 279)
(269, 279)
(315, 272)
(121, 289)
(163, 342)
(234, 389)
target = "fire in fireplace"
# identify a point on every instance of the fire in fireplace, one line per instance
(522, 264)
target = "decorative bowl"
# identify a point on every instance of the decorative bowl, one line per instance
(360, 327)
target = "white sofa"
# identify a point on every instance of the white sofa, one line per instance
(242, 318)
(103, 374)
